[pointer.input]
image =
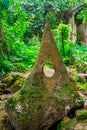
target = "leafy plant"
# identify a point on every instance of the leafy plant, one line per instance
(82, 86)
(83, 15)
(64, 35)
(80, 55)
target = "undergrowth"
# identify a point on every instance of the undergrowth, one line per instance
(20, 57)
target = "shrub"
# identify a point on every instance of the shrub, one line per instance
(80, 55)
(64, 36)
(20, 57)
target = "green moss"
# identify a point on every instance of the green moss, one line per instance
(10, 107)
(18, 84)
(17, 75)
(31, 94)
(25, 97)
(36, 98)
(8, 80)
(10, 104)
(68, 125)
(37, 84)
(81, 114)
(82, 86)
(3, 86)
(25, 117)
(66, 93)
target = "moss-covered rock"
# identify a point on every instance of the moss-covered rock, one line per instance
(81, 114)
(42, 100)
(67, 124)
(36, 108)
(3, 86)
(18, 75)
(18, 84)
(7, 80)
(12, 81)
(72, 124)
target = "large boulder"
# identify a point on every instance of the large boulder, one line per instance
(12, 82)
(43, 100)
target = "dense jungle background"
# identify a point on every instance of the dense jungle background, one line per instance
(21, 27)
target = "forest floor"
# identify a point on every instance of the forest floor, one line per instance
(78, 122)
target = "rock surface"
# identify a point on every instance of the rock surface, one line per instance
(12, 82)
(42, 100)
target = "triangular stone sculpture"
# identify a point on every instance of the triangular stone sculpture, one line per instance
(42, 101)
(49, 54)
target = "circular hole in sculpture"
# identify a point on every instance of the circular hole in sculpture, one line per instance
(48, 70)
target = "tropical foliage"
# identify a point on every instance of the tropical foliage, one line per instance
(21, 27)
